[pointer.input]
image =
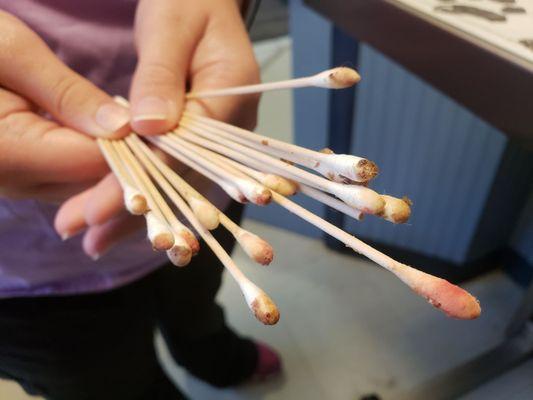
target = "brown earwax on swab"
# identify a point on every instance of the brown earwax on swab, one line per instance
(257, 248)
(396, 210)
(335, 78)
(336, 167)
(134, 200)
(258, 301)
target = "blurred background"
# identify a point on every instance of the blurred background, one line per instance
(349, 329)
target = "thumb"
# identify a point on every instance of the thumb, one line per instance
(166, 36)
(29, 68)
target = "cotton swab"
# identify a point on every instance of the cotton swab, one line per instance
(166, 213)
(257, 248)
(158, 231)
(451, 299)
(206, 213)
(337, 167)
(134, 200)
(309, 191)
(277, 183)
(258, 301)
(336, 78)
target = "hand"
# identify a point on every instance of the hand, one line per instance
(38, 157)
(201, 44)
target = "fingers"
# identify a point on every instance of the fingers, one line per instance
(166, 34)
(105, 201)
(95, 206)
(36, 151)
(225, 58)
(70, 218)
(29, 68)
(100, 238)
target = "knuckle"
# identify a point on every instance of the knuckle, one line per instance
(156, 75)
(66, 92)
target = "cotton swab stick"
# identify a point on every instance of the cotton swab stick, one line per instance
(228, 187)
(337, 167)
(134, 200)
(206, 212)
(256, 248)
(336, 78)
(253, 191)
(258, 301)
(165, 211)
(277, 183)
(158, 232)
(360, 197)
(451, 299)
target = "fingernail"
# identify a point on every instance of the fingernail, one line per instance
(111, 118)
(95, 257)
(151, 109)
(65, 236)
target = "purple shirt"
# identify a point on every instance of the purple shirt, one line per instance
(94, 37)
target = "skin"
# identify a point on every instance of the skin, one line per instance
(181, 45)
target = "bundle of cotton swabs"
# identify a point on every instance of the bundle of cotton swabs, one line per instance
(253, 168)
